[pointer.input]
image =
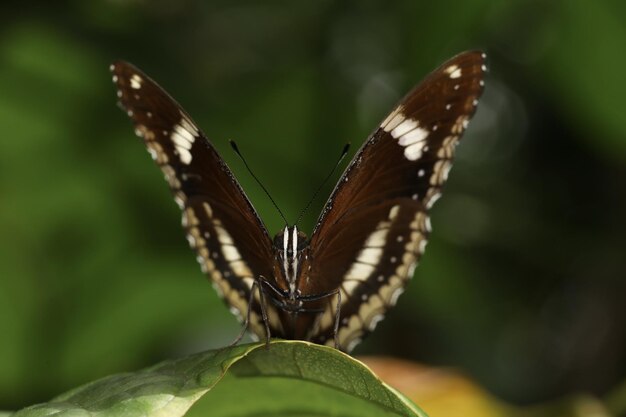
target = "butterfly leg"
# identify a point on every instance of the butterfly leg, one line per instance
(337, 318)
(264, 312)
(246, 322)
(328, 295)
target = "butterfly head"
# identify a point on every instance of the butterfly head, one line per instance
(290, 247)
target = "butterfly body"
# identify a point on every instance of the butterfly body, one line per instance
(290, 290)
(334, 287)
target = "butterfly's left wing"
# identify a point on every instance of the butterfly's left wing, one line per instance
(375, 225)
(231, 243)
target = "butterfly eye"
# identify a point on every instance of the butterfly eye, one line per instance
(278, 241)
(303, 242)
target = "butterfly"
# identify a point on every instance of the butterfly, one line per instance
(334, 287)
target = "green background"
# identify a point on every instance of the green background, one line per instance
(524, 280)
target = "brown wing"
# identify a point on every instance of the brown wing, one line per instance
(375, 225)
(231, 242)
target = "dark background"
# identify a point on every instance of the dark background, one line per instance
(523, 284)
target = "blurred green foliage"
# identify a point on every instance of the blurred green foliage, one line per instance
(523, 283)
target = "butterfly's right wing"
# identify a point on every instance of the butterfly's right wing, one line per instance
(231, 242)
(375, 225)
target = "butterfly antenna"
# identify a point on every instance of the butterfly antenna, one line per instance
(344, 152)
(236, 149)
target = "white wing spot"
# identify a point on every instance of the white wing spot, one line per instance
(409, 135)
(353, 344)
(180, 201)
(422, 246)
(428, 226)
(135, 81)
(207, 209)
(359, 271)
(235, 312)
(447, 147)
(394, 212)
(421, 173)
(414, 152)
(189, 217)
(453, 71)
(395, 295)
(240, 268)
(432, 200)
(406, 126)
(370, 255)
(223, 236)
(416, 135)
(374, 322)
(230, 253)
(349, 286)
(168, 171)
(460, 125)
(183, 136)
(377, 239)
(411, 269)
(440, 172)
(448, 106)
(445, 170)
(184, 155)
(393, 120)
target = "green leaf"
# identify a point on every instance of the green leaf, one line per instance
(289, 378)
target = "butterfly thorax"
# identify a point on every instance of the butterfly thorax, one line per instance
(291, 255)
